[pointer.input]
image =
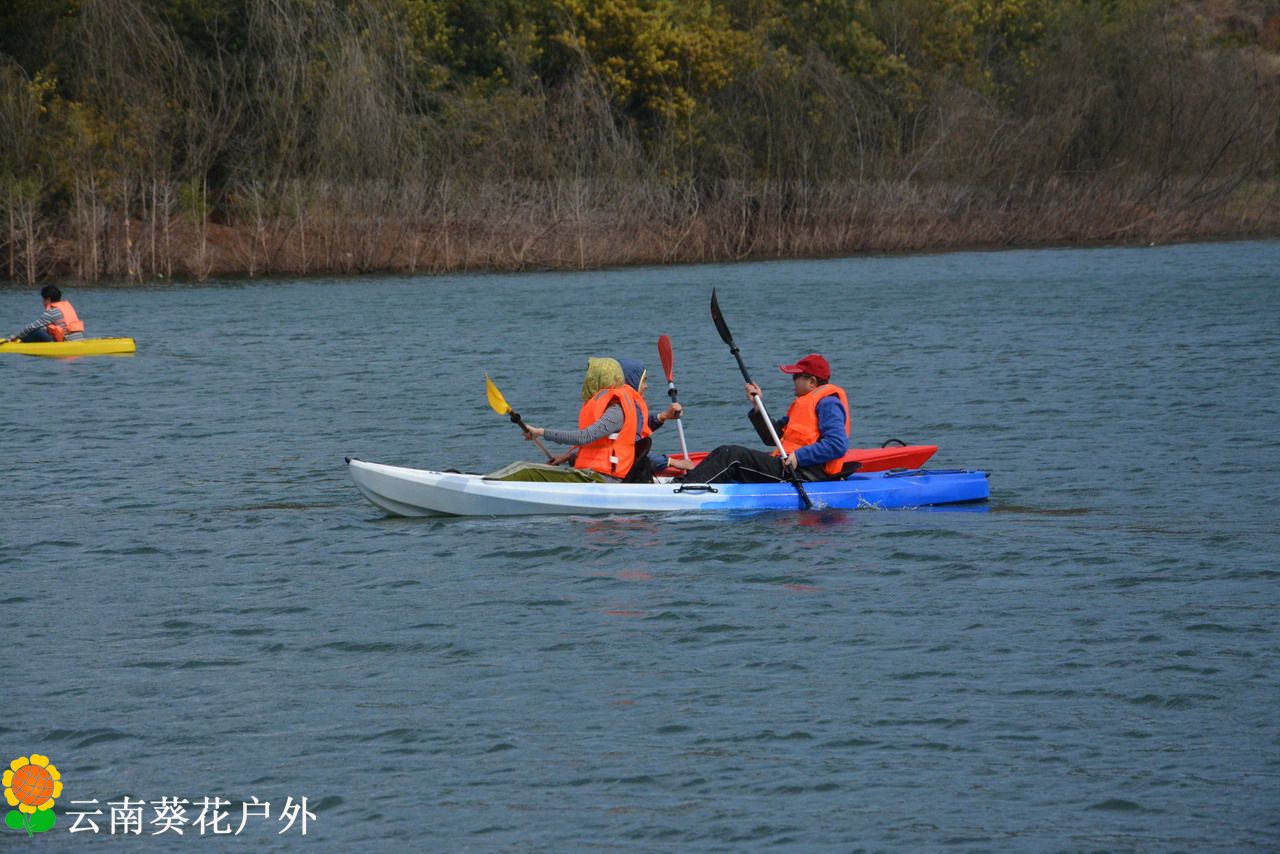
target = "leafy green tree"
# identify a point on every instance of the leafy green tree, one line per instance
(656, 58)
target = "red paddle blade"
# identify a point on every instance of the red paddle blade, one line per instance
(664, 352)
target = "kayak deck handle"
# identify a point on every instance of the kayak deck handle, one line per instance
(695, 487)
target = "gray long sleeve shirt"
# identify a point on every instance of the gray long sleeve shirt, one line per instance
(610, 422)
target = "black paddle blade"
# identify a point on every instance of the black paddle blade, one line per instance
(718, 319)
(804, 496)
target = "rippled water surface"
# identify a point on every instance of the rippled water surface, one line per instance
(196, 602)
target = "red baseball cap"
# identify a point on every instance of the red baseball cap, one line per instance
(812, 364)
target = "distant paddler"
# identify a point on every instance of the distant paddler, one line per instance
(59, 322)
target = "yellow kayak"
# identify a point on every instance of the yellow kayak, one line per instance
(63, 349)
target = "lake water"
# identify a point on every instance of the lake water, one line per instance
(198, 604)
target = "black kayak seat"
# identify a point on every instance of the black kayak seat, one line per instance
(849, 468)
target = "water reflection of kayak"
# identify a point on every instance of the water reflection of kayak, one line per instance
(418, 492)
(78, 347)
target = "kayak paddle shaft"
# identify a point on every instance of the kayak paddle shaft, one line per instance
(727, 336)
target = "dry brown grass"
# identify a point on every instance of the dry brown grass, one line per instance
(744, 223)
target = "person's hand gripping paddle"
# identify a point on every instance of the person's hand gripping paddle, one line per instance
(723, 329)
(664, 351)
(500, 406)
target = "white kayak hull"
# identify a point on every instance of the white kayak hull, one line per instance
(420, 492)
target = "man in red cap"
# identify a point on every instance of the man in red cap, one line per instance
(815, 434)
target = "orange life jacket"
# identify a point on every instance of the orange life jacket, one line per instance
(802, 422)
(642, 409)
(70, 321)
(613, 454)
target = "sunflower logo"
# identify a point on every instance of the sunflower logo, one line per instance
(31, 785)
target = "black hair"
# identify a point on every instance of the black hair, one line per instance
(51, 293)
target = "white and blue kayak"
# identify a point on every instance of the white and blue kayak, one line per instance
(419, 492)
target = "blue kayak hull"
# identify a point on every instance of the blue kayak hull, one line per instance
(875, 490)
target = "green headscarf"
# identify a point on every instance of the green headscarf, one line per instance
(601, 373)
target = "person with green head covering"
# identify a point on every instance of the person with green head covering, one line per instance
(605, 440)
(601, 374)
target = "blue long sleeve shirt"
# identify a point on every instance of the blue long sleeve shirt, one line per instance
(832, 442)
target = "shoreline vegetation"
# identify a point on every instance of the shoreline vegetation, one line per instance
(153, 140)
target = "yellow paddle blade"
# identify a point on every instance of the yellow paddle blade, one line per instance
(495, 397)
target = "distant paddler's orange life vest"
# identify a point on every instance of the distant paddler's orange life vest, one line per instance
(802, 422)
(642, 414)
(71, 322)
(613, 454)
